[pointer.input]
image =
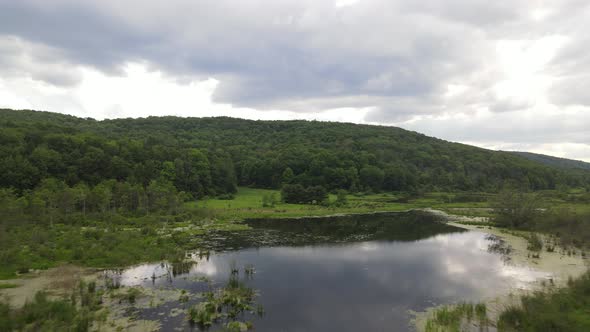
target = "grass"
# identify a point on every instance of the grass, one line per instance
(564, 309)
(110, 246)
(126, 241)
(535, 243)
(46, 314)
(248, 203)
(226, 305)
(7, 285)
(453, 318)
(122, 241)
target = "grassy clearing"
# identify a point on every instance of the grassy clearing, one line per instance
(248, 203)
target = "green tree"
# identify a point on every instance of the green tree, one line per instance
(341, 199)
(287, 176)
(372, 177)
(516, 209)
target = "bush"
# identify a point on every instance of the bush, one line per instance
(341, 199)
(269, 200)
(226, 197)
(297, 194)
(516, 209)
(535, 243)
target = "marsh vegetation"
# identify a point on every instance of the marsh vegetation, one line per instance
(111, 194)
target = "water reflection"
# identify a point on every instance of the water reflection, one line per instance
(328, 284)
(390, 226)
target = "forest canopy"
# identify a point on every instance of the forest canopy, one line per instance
(212, 156)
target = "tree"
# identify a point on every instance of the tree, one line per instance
(316, 195)
(372, 177)
(297, 194)
(269, 200)
(100, 197)
(50, 191)
(341, 199)
(162, 196)
(516, 209)
(287, 176)
(293, 193)
(81, 193)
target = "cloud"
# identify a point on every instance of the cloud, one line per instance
(39, 62)
(563, 133)
(267, 54)
(449, 68)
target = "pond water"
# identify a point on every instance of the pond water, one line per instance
(355, 273)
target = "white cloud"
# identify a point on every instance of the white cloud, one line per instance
(491, 73)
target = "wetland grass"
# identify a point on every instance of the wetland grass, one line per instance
(535, 243)
(45, 313)
(7, 285)
(227, 305)
(563, 309)
(454, 318)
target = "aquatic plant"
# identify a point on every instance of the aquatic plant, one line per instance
(92, 287)
(535, 243)
(233, 268)
(238, 326)
(562, 309)
(481, 311)
(111, 283)
(204, 313)
(131, 295)
(452, 318)
(183, 296)
(226, 304)
(249, 270)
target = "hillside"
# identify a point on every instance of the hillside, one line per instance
(211, 156)
(552, 161)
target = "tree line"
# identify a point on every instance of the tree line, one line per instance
(54, 201)
(212, 156)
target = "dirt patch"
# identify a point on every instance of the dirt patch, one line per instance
(58, 281)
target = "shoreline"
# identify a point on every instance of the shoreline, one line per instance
(557, 265)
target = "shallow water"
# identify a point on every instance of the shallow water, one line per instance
(343, 274)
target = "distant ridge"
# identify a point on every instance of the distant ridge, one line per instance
(552, 161)
(212, 156)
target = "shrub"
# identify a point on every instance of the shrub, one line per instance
(516, 209)
(297, 194)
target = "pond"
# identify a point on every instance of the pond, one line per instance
(350, 273)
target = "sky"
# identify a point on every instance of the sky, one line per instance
(509, 75)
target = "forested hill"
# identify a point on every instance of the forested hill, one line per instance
(554, 161)
(211, 156)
